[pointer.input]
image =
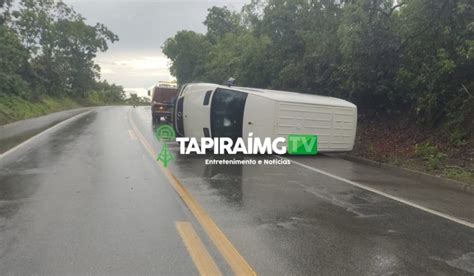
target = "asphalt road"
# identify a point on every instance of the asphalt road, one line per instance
(89, 198)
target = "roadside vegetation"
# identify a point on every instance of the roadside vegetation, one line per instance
(14, 108)
(47, 56)
(135, 100)
(408, 65)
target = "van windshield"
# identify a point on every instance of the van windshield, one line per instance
(227, 113)
(163, 95)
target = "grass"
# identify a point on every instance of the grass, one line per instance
(13, 108)
(460, 174)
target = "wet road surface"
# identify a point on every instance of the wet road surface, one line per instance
(89, 198)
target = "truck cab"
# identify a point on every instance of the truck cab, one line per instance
(163, 97)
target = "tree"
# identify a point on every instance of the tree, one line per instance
(389, 57)
(241, 56)
(438, 59)
(369, 48)
(13, 60)
(221, 21)
(60, 45)
(188, 52)
(79, 44)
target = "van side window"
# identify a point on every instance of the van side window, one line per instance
(207, 97)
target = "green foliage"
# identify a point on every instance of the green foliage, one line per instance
(430, 154)
(13, 58)
(369, 44)
(135, 100)
(104, 93)
(437, 62)
(240, 56)
(461, 174)
(394, 57)
(47, 49)
(189, 52)
(221, 21)
(14, 108)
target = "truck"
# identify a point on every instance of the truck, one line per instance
(212, 110)
(163, 97)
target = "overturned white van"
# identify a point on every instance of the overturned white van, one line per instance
(211, 110)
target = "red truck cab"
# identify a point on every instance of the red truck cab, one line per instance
(163, 97)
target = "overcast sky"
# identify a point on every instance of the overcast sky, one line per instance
(136, 60)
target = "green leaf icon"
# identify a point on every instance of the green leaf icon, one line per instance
(165, 155)
(165, 133)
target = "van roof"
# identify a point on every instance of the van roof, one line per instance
(282, 96)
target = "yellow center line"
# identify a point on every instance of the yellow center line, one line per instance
(237, 263)
(201, 257)
(132, 135)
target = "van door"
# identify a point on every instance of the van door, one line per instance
(227, 113)
(259, 117)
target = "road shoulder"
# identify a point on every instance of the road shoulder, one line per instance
(15, 133)
(436, 196)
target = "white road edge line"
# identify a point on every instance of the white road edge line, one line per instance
(409, 203)
(29, 140)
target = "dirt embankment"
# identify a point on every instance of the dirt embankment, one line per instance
(403, 142)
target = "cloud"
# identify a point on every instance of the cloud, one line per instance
(136, 59)
(134, 69)
(106, 71)
(145, 63)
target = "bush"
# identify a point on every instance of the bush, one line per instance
(430, 153)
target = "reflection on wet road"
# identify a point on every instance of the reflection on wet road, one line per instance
(88, 199)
